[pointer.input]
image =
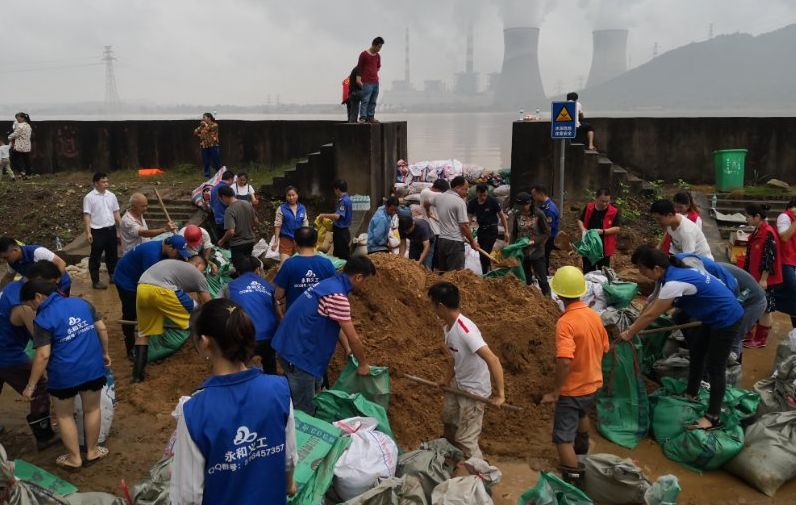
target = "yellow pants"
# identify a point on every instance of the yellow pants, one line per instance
(153, 304)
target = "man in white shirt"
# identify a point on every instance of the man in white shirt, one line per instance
(133, 228)
(100, 218)
(473, 365)
(585, 132)
(686, 235)
(5, 160)
(454, 226)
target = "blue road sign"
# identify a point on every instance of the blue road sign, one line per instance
(563, 120)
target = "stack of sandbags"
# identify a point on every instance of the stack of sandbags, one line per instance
(778, 392)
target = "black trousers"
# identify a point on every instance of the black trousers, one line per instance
(341, 240)
(549, 246)
(220, 231)
(588, 266)
(103, 241)
(240, 250)
(20, 161)
(129, 314)
(536, 268)
(352, 106)
(267, 356)
(487, 236)
(709, 349)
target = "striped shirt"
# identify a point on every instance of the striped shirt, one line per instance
(336, 307)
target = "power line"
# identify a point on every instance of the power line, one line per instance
(47, 69)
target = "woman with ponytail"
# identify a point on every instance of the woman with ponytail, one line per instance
(785, 293)
(764, 263)
(704, 298)
(236, 439)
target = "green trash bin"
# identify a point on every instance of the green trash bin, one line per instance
(729, 164)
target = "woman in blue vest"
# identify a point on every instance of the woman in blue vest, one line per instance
(251, 291)
(72, 344)
(236, 439)
(290, 216)
(21, 257)
(704, 298)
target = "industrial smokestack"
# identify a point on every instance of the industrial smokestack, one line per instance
(520, 85)
(609, 58)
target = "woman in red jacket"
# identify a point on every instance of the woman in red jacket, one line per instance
(764, 263)
(786, 292)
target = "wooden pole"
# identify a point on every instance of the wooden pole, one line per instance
(458, 392)
(692, 324)
(163, 206)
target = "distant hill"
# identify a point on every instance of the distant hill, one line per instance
(727, 72)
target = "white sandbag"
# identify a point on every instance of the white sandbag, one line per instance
(400, 189)
(417, 187)
(461, 491)
(472, 260)
(503, 190)
(768, 458)
(612, 480)
(491, 475)
(472, 172)
(663, 491)
(260, 248)
(413, 199)
(270, 254)
(372, 455)
(107, 407)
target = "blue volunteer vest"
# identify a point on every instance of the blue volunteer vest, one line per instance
(23, 264)
(238, 423)
(345, 208)
(135, 262)
(291, 222)
(256, 296)
(305, 338)
(76, 354)
(13, 339)
(713, 304)
(713, 269)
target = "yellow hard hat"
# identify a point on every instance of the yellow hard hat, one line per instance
(568, 282)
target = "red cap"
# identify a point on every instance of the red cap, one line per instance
(193, 235)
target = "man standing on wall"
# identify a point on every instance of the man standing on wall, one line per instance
(369, 65)
(101, 218)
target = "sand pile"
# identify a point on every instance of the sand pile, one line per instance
(400, 331)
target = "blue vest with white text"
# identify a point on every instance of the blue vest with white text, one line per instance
(291, 222)
(256, 296)
(76, 353)
(135, 262)
(305, 338)
(13, 339)
(713, 304)
(713, 269)
(23, 264)
(238, 423)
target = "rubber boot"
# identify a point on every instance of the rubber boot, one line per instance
(750, 335)
(42, 429)
(582, 443)
(141, 353)
(574, 476)
(129, 344)
(761, 337)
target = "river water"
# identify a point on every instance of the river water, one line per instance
(478, 138)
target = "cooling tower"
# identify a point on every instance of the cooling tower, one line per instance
(610, 56)
(520, 85)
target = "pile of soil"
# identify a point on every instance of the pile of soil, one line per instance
(400, 331)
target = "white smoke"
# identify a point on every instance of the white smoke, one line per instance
(523, 13)
(611, 14)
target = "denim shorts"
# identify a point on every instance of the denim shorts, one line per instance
(569, 411)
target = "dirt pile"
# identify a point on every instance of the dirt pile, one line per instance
(400, 331)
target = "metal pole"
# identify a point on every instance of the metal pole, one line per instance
(561, 176)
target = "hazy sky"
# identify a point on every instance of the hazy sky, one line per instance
(242, 51)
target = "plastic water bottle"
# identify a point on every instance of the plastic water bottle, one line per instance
(522, 114)
(58, 244)
(744, 295)
(714, 201)
(538, 114)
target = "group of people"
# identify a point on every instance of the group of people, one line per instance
(361, 87)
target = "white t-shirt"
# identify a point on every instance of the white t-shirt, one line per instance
(39, 254)
(5, 152)
(129, 231)
(243, 190)
(676, 289)
(688, 238)
(431, 216)
(783, 223)
(206, 242)
(578, 112)
(471, 372)
(100, 206)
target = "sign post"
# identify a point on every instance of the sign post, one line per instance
(563, 126)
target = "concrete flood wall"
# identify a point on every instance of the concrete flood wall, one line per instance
(658, 148)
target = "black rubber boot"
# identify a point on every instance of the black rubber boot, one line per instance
(141, 353)
(43, 431)
(582, 443)
(574, 476)
(129, 344)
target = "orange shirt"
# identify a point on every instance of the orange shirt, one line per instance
(581, 337)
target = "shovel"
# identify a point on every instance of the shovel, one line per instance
(458, 392)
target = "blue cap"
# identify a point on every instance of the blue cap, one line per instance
(179, 243)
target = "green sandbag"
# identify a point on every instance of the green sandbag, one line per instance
(32, 473)
(222, 258)
(335, 405)
(319, 445)
(622, 404)
(550, 490)
(337, 262)
(375, 387)
(590, 246)
(650, 348)
(163, 346)
(702, 450)
(30, 350)
(620, 294)
(671, 411)
(505, 175)
(514, 250)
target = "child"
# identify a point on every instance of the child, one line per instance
(5, 160)
(473, 364)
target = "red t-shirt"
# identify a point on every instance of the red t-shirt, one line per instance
(369, 65)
